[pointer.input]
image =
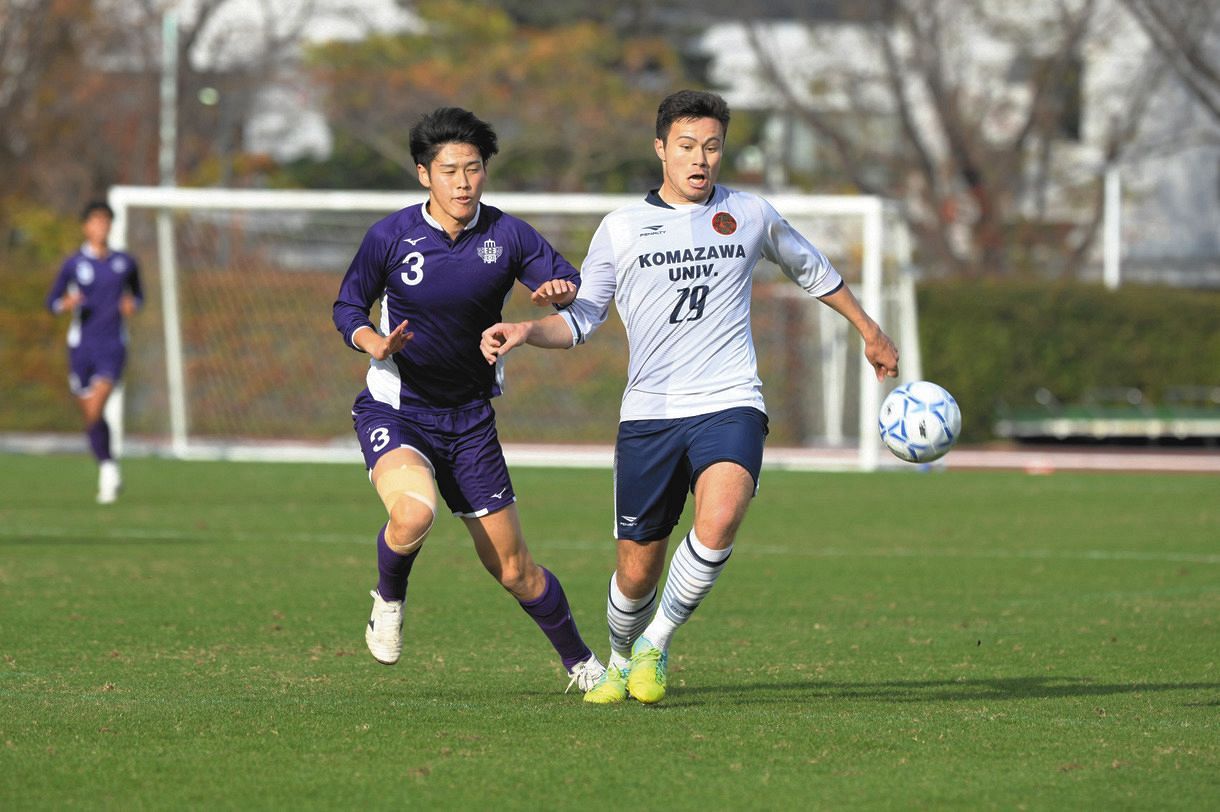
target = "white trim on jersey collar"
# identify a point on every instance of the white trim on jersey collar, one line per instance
(430, 220)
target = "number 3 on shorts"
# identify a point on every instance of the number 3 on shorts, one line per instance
(380, 438)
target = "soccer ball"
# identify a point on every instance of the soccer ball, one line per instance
(919, 421)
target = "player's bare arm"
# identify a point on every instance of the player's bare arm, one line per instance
(498, 340)
(878, 348)
(379, 346)
(557, 292)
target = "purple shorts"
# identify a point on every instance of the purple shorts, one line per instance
(460, 444)
(90, 362)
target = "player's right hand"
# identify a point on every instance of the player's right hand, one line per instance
(392, 343)
(70, 300)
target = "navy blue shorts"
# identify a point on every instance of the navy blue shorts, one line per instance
(460, 444)
(656, 463)
(89, 362)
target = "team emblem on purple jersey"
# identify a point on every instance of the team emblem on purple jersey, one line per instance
(490, 252)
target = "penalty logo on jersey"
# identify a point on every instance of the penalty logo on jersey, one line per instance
(490, 252)
(724, 223)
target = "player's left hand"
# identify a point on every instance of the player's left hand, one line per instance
(882, 354)
(128, 305)
(558, 292)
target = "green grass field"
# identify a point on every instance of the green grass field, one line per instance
(889, 641)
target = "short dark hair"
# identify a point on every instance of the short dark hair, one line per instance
(451, 125)
(93, 207)
(690, 104)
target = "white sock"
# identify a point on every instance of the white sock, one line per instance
(692, 574)
(626, 618)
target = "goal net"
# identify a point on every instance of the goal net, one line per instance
(236, 357)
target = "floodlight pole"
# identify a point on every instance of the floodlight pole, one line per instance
(170, 316)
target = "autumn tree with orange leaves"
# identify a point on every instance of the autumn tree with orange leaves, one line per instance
(574, 104)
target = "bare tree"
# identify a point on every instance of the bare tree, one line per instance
(982, 102)
(79, 88)
(1187, 35)
(229, 53)
(39, 43)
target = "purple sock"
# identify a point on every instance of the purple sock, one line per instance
(551, 612)
(393, 569)
(99, 440)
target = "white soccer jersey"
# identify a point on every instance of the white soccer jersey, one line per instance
(681, 278)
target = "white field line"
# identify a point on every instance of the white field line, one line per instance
(142, 534)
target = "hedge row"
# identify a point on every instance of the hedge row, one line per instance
(996, 343)
(990, 343)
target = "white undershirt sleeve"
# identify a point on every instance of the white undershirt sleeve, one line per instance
(591, 307)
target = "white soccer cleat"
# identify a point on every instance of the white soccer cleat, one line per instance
(585, 675)
(384, 634)
(109, 481)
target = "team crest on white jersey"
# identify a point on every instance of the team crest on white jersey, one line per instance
(724, 223)
(490, 252)
(84, 273)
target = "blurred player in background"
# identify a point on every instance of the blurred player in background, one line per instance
(679, 265)
(444, 269)
(100, 288)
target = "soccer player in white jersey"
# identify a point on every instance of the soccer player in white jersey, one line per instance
(679, 265)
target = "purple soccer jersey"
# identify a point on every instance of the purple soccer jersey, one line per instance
(449, 291)
(97, 338)
(102, 281)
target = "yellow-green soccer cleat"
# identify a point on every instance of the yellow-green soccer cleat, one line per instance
(646, 680)
(611, 688)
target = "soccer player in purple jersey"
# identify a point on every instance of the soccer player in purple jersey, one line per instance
(445, 268)
(100, 288)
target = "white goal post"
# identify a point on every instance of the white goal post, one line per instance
(176, 226)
